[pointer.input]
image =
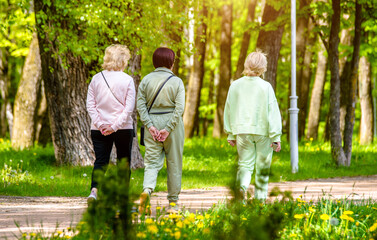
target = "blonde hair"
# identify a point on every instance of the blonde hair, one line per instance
(255, 64)
(116, 57)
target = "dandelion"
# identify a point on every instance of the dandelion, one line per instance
(173, 216)
(152, 229)
(179, 224)
(24, 234)
(348, 212)
(292, 235)
(158, 208)
(207, 216)
(67, 237)
(177, 235)
(324, 217)
(357, 224)
(84, 175)
(311, 139)
(373, 227)
(59, 232)
(244, 219)
(334, 221)
(149, 221)
(33, 234)
(141, 235)
(200, 225)
(374, 208)
(162, 223)
(167, 230)
(21, 161)
(307, 144)
(34, 154)
(200, 217)
(172, 204)
(311, 209)
(206, 230)
(52, 177)
(298, 216)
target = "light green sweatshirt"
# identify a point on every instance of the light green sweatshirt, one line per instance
(251, 108)
(170, 99)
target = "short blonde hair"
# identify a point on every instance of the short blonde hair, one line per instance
(255, 64)
(116, 57)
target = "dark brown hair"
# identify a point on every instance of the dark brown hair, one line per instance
(163, 57)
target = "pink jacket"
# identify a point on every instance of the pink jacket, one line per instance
(104, 108)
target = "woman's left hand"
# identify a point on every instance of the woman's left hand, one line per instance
(107, 130)
(163, 135)
(232, 142)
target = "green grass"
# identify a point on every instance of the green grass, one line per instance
(207, 162)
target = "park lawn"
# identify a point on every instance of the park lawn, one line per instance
(207, 162)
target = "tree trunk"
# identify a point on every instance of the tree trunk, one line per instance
(337, 152)
(245, 39)
(42, 127)
(366, 102)
(305, 42)
(270, 41)
(134, 65)
(209, 102)
(66, 90)
(4, 83)
(352, 83)
(317, 93)
(25, 104)
(225, 68)
(191, 115)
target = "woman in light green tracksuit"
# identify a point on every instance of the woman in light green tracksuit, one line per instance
(165, 135)
(252, 121)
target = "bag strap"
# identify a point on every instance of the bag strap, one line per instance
(159, 90)
(110, 90)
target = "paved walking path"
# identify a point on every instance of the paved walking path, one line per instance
(31, 213)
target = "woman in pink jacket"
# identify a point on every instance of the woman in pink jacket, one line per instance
(110, 104)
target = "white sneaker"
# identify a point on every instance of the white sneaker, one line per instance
(92, 196)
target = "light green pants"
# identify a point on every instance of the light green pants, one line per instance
(155, 153)
(254, 150)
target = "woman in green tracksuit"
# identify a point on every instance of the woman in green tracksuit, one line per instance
(252, 121)
(164, 135)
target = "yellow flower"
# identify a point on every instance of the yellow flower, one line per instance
(373, 227)
(59, 232)
(149, 221)
(199, 217)
(200, 225)
(324, 217)
(351, 219)
(211, 223)
(179, 224)
(298, 216)
(167, 230)
(374, 208)
(311, 209)
(67, 237)
(244, 219)
(307, 144)
(206, 230)
(141, 235)
(162, 223)
(173, 216)
(311, 139)
(348, 212)
(207, 216)
(357, 224)
(24, 234)
(292, 235)
(33, 234)
(34, 154)
(186, 221)
(158, 208)
(177, 235)
(153, 229)
(172, 204)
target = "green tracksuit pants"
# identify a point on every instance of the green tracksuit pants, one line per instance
(155, 153)
(254, 151)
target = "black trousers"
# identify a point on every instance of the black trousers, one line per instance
(102, 149)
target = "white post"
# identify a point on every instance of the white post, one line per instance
(293, 110)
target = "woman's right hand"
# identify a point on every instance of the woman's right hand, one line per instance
(154, 132)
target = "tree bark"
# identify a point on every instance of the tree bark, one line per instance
(225, 68)
(352, 83)
(134, 66)
(317, 93)
(337, 152)
(305, 42)
(191, 114)
(4, 83)
(25, 105)
(269, 41)
(42, 128)
(245, 39)
(66, 90)
(366, 102)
